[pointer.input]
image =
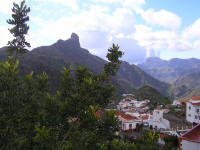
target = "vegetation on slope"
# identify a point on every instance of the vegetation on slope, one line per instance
(186, 86)
(155, 97)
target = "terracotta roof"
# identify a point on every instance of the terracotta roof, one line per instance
(143, 106)
(162, 136)
(185, 100)
(145, 117)
(119, 113)
(193, 98)
(196, 98)
(196, 104)
(132, 111)
(192, 135)
(128, 117)
(99, 113)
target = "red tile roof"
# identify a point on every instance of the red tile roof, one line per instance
(157, 108)
(162, 136)
(185, 100)
(132, 111)
(196, 104)
(119, 113)
(196, 98)
(129, 117)
(193, 98)
(126, 116)
(145, 117)
(192, 135)
(143, 106)
(99, 113)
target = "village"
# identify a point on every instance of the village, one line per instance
(133, 114)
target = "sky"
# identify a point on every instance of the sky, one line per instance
(142, 28)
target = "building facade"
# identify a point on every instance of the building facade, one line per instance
(193, 111)
(191, 139)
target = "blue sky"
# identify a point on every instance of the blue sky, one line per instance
(143, 28)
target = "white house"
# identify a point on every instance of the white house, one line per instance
(157, 121)
(176, 103)
(191, 139)
(130, 103)
(128, 122)
(193, 111)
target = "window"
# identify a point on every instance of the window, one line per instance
(195, 117)
(197, 110)
(189, 107)
(189, 115)
(130, 126)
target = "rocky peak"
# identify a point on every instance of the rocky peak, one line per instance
(74, 37)
(75, 40)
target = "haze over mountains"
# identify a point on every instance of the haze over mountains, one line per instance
(51, 59)
(169, 71)
(182, 74)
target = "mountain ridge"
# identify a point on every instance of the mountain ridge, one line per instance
(53, 58)
(170, 70)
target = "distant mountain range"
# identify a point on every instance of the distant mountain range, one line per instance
(186, 86)
(182, 74)
(51, 59)
(171, 70)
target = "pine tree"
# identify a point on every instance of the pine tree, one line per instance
(20, 16)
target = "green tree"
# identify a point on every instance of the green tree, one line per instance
(31, 118)
(113, 56)
(148, 140)
(171, 142)
(19, 18)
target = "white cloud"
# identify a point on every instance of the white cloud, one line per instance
(192, 31)
(91, 20)
(71, 3)
(163, 18)
(6, 6)
(155, 40)
(5, 36)
(97, 27)
(133, 4)
(108, 1)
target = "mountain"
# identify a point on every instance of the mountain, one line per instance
(186, 86)
(169, 71)
(53, 58)
(155, 97)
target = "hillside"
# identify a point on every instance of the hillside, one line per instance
(155, 97)
(53, 58)
(186, 86)
(169, 71)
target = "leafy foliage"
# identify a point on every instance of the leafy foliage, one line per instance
(32, 118)
(152, 94)
(171, 142)
(19, 18)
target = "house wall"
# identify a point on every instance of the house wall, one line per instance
(157, 115)
(191, 113)
(187, 145)
(164, 124)
(125, 125)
